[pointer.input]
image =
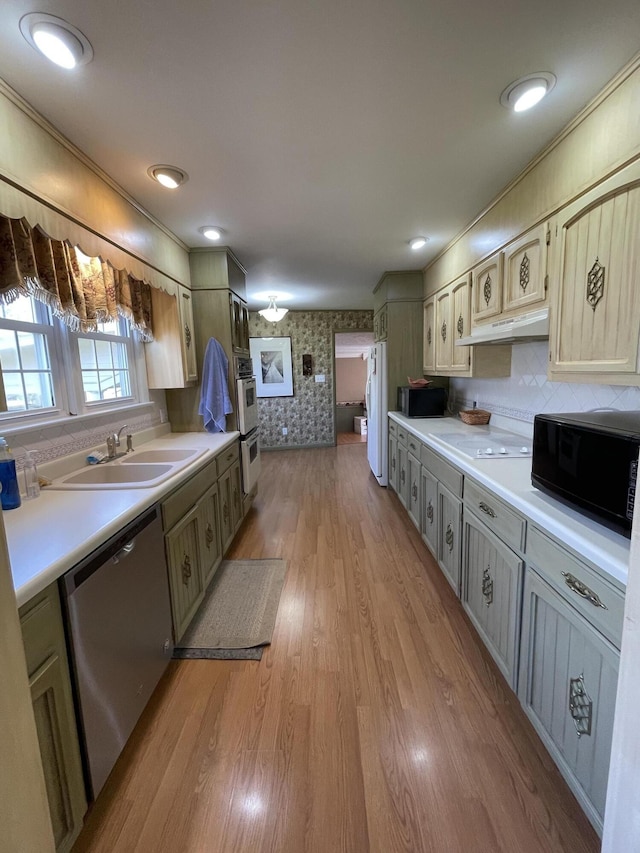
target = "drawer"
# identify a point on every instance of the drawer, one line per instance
(402, 435)
(413, 445)
(393, 428)
(442, 470)
(41, 625)
(589, 593)
(225, 460)
(505, 523)
(181, 501)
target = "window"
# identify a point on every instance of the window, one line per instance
(47, 369)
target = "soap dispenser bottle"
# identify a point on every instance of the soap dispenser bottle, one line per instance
(10, 494)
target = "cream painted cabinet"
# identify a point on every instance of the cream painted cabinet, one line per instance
(429, 342)
(441, 512)
(447, 318)
(47, 665)
(596, 317)
(239, 316)
(210, 539)
(429, 507)
(171, 356)
(393, 456)
(449, 535)
(380, 322)
(487, 288)
(186, 583)
(413, 479)
(525, 271)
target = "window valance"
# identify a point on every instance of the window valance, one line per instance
(81, 291)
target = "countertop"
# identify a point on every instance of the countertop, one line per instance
(510, 479)
(51, 533)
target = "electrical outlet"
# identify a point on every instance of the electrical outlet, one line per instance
(284, 430)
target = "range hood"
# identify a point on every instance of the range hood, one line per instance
(533, 326)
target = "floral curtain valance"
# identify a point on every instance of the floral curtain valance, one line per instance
(81, 291)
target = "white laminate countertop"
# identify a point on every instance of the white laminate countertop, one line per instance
(50, 534)
(510, 479)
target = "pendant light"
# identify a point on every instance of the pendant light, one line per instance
(272, 313)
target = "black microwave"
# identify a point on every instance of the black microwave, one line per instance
(589, 461)
(421, 402)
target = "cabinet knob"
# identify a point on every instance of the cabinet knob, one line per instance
(580, 705)
(209, 535)
(187, 336)
(414, 491)
(225, 512)
(443, 331)
(448, 537)
(487, 586)
(460, 326)
(430, 512)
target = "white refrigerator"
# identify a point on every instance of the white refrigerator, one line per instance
(377, 408)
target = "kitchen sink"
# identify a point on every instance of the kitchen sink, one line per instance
(169, 455)
(115, 476)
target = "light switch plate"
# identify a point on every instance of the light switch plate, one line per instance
(320, 377)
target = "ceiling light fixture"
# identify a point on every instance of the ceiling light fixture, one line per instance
(271, 313)
(56, 39)
(418, 242)
(211, 232)
(527, 91)
(169, 176)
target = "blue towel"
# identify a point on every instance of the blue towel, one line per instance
(215, 403)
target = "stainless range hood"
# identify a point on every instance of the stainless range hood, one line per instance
(533, 326)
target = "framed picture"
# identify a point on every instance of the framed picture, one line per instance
(272, 366)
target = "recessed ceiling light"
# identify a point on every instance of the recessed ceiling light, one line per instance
(418, 242)
(211, 232)
(169, 176)
(59, 41)
(527, 91)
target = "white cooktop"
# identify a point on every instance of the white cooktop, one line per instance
(491, 443)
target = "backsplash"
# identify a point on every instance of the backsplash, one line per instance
(528, 392)
(309, 415)
(54, 440)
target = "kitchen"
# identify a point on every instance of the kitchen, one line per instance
(88, 197)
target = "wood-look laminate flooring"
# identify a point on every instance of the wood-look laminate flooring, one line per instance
(350, 438)
(375, 722)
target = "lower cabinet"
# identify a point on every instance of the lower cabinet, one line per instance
(200, 520)
(403, 474)
(567, 686)
(449, 538)
(48, 668)
(491, 593)
(429, 505)
(413, 487)
(393, 461)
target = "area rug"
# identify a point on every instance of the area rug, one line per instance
(235, 620)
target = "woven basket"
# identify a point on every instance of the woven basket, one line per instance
(475, 417)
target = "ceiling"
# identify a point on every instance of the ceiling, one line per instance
(320, 136)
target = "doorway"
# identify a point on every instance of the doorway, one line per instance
(350, 370)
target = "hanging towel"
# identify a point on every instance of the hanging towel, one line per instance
(215, 403)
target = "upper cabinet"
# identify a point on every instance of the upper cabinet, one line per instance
(239, 324)
(513, 280)
(171, 356)
(596, 316)
(447, 318)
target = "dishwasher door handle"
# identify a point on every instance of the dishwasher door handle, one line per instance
(124, 551)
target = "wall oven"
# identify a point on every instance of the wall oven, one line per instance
(247, 399)
(247, 403)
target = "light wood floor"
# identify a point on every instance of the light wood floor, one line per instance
(350, 438)
(374, 722)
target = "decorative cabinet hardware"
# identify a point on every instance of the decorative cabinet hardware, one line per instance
(443, 331)
(186, 296)
(460, 326)
(187, 336)
(487, 509)
(595, 284)
(487, 290)
(429, 336)
(208, 535)
(448, 537)
(525, 266)
(402, 476)
(430, 512)
(487, 586)
(414, 491)
(225, 512)
(580, 705)
(186, 569)
(583, 591)
(393, 462)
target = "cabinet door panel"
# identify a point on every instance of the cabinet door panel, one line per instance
(525, 269)
(444, 330)
(564, 658)
(403, 475)
(429, 510)
(185, 308)
(413, 488)
(185, 576)
(225, 491)
(461, 320)
(597, 311)
(393, 462)
(429, 332)
(449, 544)
(210, 545)
(491, 592)
(487, 288)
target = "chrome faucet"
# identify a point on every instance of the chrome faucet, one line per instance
(113, 441)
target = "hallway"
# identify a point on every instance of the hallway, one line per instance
(375, 721)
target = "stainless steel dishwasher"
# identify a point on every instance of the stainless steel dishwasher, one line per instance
(119, 625)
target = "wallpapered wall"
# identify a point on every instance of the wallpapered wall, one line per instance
(308, 415)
